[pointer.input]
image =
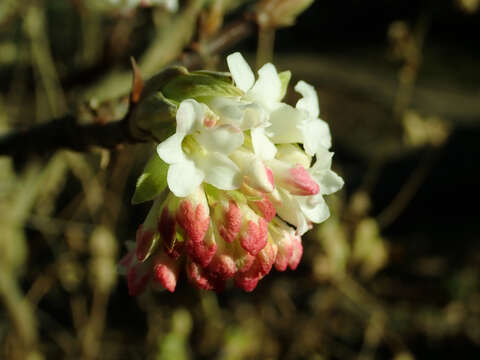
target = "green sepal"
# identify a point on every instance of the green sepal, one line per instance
(284, 79)
(201, 86)
(238, 196)
(155, 115)
(152, 181)
(219, 75)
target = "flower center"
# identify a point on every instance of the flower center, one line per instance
(191, 147)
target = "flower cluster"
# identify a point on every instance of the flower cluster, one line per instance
(246, 175)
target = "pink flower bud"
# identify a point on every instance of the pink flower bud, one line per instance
(228, 219)
(145, 243)
(253, 237)
(222, 266)
(147, 235)
(246, 282)
(167, 230)
(248, 278)
(202, 251)
(138, 276)
(165, 271)
(199, 277)
(296, 253)
(264, 208)
(193, 215)
(296, 179)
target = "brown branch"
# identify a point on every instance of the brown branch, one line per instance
(63, 132)
(66, 133)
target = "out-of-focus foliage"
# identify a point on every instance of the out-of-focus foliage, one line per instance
(395, 272)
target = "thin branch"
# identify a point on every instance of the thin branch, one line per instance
(409, 189)
(66, 133)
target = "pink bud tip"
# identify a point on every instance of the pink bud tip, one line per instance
(297, 253)
(266, 258)
(269, 176)
(266, 208)
(144, 243)
(284, 254)
(201, 279)
(222, 267)
(165, 275)
(232, 223)
(301, 181)
(194, 222)
(246, 283)
(201, 252)
(255, 237)
(166, 228)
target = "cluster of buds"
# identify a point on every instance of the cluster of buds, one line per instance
(236, 185)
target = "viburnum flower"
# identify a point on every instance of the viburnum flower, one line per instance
(236, 185)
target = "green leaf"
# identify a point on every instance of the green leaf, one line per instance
(219, 75)
(284, 79)
(154, 116)
(199, 86)
(152, 182)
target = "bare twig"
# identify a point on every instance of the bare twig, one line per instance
(64, 132)
(409, 189)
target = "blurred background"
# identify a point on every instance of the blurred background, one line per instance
(393, 274)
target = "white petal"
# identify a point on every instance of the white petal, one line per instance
(254, 116)
(323, 160)
(230, 110)
(296, 179)
(242, 114)
(303, 226)
(170, 150)
(223, 139)
(330, 183)
(241, 72)
(254, 171)
(262, 145)
(285, 125)
(314, 207)
(290, 211)
(316, 135)
(275, 198)
(268, 88)
(293, 154)
(184, 177)
(185, 117)
(190, 116)
(220, 171)
(309, 102)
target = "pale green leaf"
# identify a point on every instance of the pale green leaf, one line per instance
(199, 86)
(152, 181)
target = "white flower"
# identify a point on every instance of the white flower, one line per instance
(266, 92)
(199, 152)
(314, 207)
(286, 124)
(269, 167)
